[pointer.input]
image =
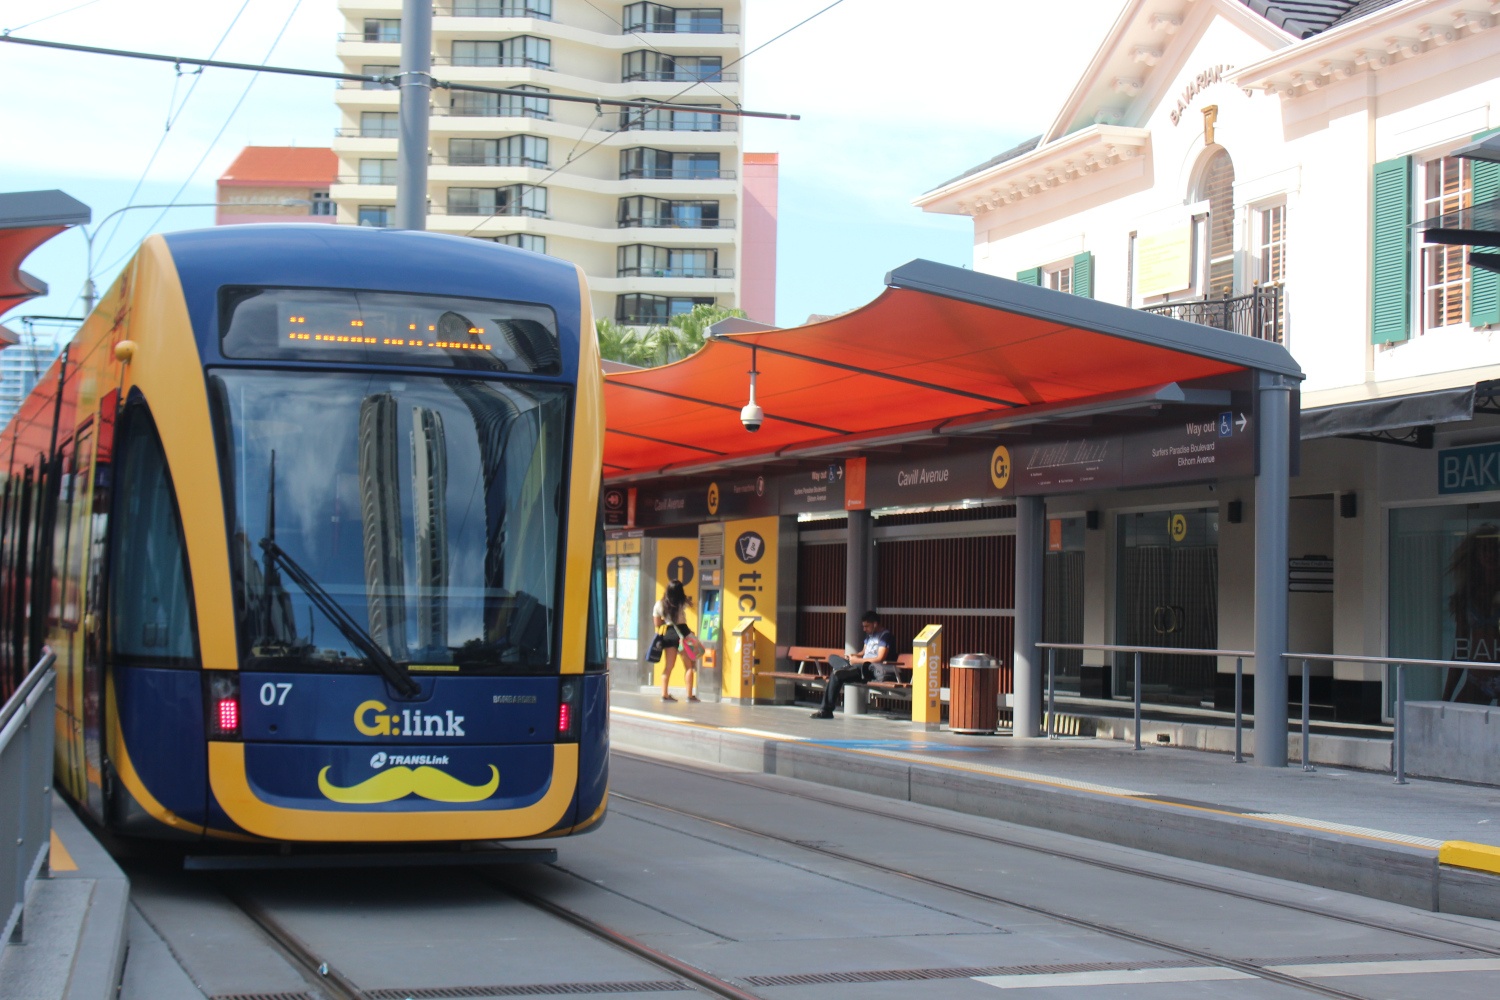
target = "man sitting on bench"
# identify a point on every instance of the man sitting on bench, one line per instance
(867, 666)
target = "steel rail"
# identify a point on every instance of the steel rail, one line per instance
(1209, 958)
(704, 980)
(1053, 852)
(318, 972)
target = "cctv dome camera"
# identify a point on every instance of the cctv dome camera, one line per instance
(752, 416)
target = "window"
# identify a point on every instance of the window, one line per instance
(379, 69)
(378, 216)
(672, 121)
(1058, 277)
(150, 606)
(641, 310)
(1073, 276)
(642, 162)
(1447, 185)
(640, 261)
(652, 213)
(651, 65)
(1270, 269)
(377, 171)
(1215, 232)
(660, 17)
(526, 241)
(503, 8)
(382, 29)
(379, 124)
(322, 204)
(523, 50)
(514, 199)
(511, 151)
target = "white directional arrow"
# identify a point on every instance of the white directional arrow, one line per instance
(1243, 422)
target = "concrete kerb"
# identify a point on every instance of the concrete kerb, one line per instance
(1385, 870)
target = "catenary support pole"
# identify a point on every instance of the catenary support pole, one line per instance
(1272, 510)
(856, 572)
(1031, 536)
(416, 108)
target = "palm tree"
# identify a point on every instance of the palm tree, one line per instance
(683, 335)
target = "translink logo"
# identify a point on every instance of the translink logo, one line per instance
(407, 722)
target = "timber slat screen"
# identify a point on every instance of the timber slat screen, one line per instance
(821, 584)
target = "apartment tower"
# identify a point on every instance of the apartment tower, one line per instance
(646, 202)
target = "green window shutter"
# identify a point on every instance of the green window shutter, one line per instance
(1083, 275)
(1030, 276)
(1390, 311)
(1484, 286)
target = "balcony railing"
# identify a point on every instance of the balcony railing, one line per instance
(676, 224)
(374, 37)
(675, 272)
(690, 122)
(367, 181)
(672, 174)
(711, 76)
(523, 62)
(492, 111)
(486, 161)
(687, 28)
(479, 8)
(367, 133)
(1260, 314)
(499, 213)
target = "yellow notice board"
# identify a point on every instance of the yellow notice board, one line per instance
(676, 559)
(1164, 261)
(750, 568)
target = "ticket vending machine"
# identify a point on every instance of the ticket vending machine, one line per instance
(711, 610)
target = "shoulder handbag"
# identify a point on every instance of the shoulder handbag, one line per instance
(692, 646)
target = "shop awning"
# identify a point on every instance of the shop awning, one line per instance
(27, 220)
(942, 349)
(1393, 413)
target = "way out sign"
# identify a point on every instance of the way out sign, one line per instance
(1469, 470)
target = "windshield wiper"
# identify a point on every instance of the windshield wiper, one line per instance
(334, 612)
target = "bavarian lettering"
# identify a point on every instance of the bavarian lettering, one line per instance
(1196, 86)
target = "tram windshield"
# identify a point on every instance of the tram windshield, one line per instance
(417, 514)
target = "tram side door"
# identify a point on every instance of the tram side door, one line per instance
(91, 594)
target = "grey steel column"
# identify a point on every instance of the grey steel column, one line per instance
(1272, 510)
(1031, 536)
(856, 575)
(416, 108)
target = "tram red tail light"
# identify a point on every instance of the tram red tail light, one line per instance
(223, 703)
(569, 698)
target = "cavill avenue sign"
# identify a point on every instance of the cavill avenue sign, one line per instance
(1469, 470)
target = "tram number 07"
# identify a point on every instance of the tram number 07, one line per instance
(274, 694)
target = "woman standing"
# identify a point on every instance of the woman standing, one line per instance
(671, 611)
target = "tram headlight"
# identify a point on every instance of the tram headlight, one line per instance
(569, 698)
(223, 704)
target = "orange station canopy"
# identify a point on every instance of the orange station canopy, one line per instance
(27, 220)
(943, 350)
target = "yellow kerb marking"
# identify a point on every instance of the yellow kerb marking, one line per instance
(61, 860)
(1463, 854)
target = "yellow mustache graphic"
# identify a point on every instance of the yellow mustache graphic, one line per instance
(397, 782)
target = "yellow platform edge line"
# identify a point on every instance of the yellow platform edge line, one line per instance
(1464, 854)
(60, 860)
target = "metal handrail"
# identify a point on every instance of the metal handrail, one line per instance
(645, 76)
(1240, 656)
(670, 174)
(1398, 764)
(25, 787)
(649, 28)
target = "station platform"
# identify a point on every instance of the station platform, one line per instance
(1429, 844)
(72, 944)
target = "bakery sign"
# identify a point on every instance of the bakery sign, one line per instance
(1198, 85)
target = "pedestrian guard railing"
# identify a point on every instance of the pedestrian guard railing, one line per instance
(1398, 755)
(26, 734)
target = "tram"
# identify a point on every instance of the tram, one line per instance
(310, 517)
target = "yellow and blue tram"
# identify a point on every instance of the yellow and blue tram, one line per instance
(310, 517)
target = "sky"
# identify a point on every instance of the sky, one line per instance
(895, 99)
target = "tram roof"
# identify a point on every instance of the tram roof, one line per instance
(27, 220)
(942, 351)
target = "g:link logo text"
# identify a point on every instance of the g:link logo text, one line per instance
(406, 722)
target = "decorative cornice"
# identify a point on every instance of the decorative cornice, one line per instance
(1081, 154)
(1369, 45)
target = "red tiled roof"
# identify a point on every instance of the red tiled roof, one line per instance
(283, 165)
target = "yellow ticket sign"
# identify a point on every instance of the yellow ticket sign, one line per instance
(927, 677)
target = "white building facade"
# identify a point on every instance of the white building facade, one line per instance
(645, 202)
(1259, 167)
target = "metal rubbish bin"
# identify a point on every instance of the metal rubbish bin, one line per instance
(973, 694)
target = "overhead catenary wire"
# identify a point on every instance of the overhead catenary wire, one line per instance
(48, 17)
